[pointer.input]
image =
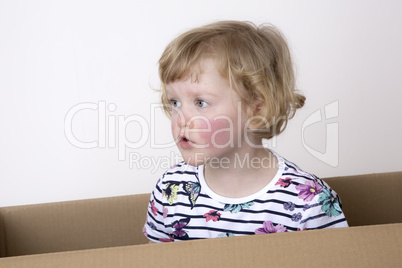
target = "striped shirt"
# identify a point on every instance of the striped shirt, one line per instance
(183, 207)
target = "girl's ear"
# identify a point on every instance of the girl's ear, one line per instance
(258, 105)
(253, 111)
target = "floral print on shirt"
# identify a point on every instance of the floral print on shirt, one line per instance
(309, 199)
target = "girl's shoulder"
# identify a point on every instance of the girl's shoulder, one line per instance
(179, 173)
(299, 176)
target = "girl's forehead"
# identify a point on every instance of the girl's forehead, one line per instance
(205, 66)
(210, 83)
(190, 87)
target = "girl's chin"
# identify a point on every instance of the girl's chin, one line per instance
(194, 160)
(194, 164)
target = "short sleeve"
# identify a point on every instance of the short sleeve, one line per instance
(325, 211)
(154, 228)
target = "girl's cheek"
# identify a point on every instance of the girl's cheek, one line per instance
(174, 127)
(199, 131)
(221, 133)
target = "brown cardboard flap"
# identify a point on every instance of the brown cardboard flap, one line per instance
(75, 225)
(370, 199)
(367, 246)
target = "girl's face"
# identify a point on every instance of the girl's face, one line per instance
(208, 121)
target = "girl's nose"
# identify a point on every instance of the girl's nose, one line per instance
(183, 119)
(180, 119)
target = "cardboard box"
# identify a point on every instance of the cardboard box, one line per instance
(107, 232)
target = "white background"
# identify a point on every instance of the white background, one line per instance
(55, 55)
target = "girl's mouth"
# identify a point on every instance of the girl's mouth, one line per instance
(184, 143)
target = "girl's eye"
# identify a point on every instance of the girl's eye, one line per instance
(175, 103)
(201, 103)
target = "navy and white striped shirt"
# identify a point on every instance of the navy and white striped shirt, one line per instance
(183, 207)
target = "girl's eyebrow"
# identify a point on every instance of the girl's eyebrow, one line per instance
(194, 93)
(204, 92)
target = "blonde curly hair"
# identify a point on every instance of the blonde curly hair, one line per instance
(255, 59)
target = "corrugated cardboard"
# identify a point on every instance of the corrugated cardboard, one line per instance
(370, 199)
(369, 246)
(107, 232)
(74, 225)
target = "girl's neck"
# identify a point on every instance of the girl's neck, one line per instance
(245, 174)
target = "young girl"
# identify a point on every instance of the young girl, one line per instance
(226, 86)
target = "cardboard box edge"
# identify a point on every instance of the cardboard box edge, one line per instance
(239, 250)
